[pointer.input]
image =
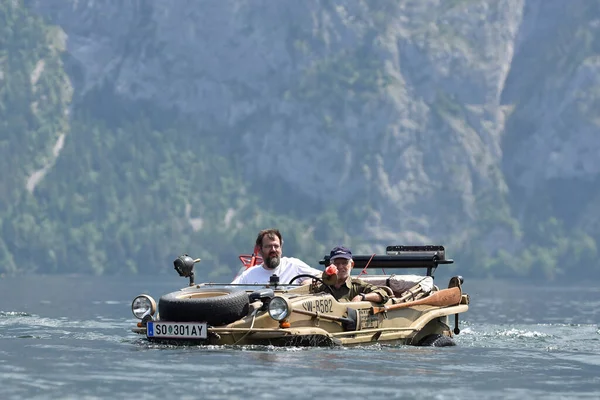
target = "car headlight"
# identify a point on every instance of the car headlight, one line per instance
(143, 305)
(279, 309)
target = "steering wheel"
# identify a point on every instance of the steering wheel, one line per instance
(314, 278)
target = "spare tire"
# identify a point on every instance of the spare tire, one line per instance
(215, 306)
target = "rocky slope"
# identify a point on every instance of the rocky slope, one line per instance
(429, 120)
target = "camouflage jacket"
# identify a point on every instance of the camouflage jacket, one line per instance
(353, 287)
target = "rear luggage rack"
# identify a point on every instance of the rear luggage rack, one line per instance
(402, 257)
(438, 251)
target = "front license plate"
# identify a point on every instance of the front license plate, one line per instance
(182, 330)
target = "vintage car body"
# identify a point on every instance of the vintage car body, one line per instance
(417, 313)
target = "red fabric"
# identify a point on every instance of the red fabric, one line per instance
(331, 270)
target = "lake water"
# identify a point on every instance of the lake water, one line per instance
(69, 337)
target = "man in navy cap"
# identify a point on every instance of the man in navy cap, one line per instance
(343, 286)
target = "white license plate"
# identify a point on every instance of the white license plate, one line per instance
(181, 330)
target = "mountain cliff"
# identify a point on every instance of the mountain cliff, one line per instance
(188, 126)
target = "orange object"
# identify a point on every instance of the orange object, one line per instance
(364, 271)
(250, 260)
(285, 324)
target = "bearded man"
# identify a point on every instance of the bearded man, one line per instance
(270, 245)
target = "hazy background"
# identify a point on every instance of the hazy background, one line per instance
(131, 132)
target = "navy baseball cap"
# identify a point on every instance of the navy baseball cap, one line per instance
(340, 252)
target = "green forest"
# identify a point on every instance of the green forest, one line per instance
(124, 187)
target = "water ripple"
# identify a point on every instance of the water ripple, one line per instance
(512, 346)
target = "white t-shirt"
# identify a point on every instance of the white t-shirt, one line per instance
(288, 268)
